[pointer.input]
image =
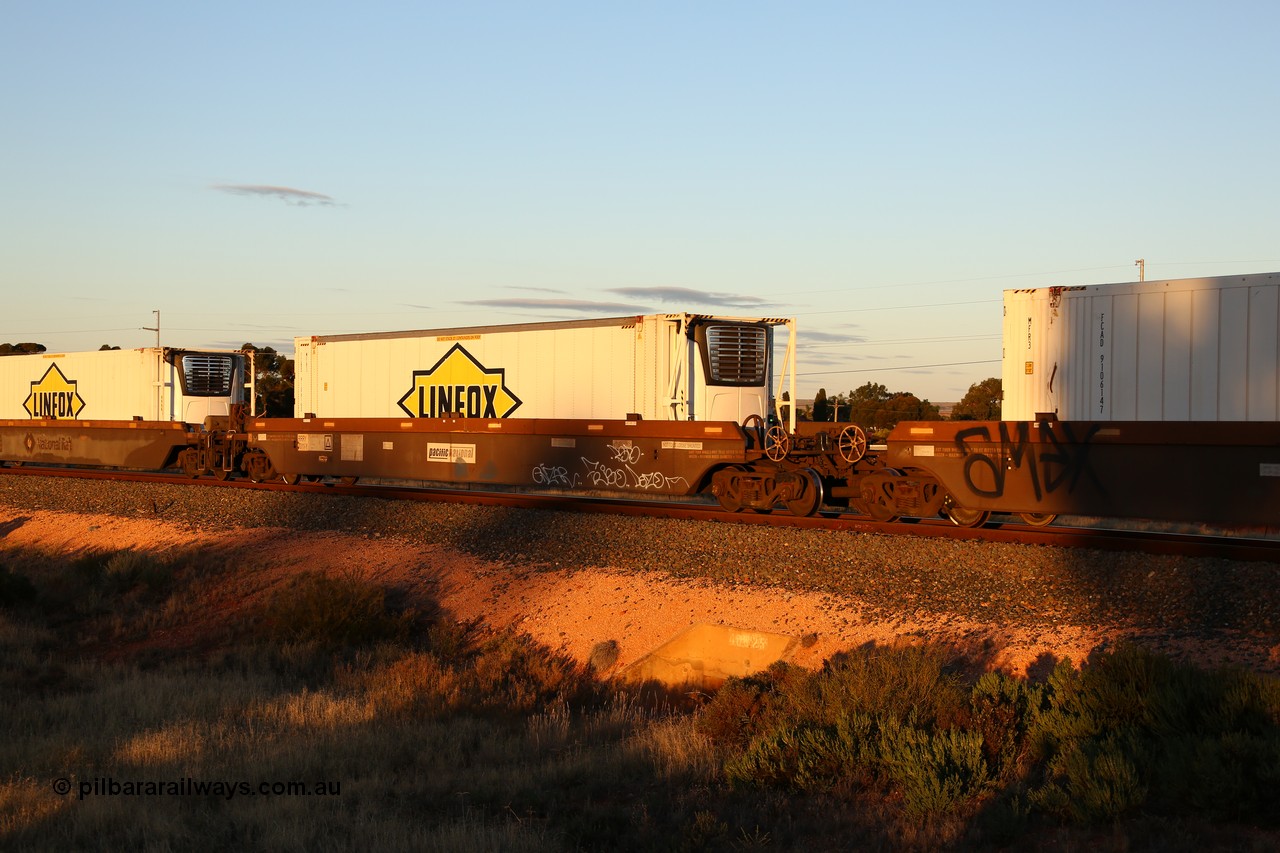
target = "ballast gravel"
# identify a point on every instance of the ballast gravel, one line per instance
(1185, 600)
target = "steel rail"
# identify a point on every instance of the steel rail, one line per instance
(1238, 545)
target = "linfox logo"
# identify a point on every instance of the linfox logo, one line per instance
(458, 384)
(54, 397)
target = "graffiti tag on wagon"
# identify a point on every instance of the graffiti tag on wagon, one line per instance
(627, 454)
(554, 475)
(598, 475)
(603, 476)
(1052, 465)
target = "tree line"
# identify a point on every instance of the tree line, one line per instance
(875, 408)
(872, 406)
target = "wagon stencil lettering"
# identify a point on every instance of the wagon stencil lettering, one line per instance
(459, 384)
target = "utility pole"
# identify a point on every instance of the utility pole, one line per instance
(155, 329)
(1141, 264)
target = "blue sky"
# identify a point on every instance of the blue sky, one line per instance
(880, 171)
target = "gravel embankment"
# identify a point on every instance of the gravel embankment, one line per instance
(892, 577)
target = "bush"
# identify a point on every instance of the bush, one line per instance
(935, 770)
(1130, 732)
(124, 571)
(331, 612)
(874, 716)
(15, 589)
(1133, 730)
(118, 572)
(512, 671)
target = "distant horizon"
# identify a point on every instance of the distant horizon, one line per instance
(833, 389)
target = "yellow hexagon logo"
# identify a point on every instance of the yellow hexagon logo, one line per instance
(459, 385)
(54, 397)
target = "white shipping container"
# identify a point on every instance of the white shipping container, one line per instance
(1195, 349)
(120, 385)
(661, 367)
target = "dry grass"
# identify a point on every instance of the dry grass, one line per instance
(421, 734)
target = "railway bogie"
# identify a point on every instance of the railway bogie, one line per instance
(763, 487)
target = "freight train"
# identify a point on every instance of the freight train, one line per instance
(675, 405)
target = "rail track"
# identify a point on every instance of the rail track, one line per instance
(1099, 534)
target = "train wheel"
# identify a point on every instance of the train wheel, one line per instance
(728, 490)
(221, 473)
(853, 443)
(259, 468)
(290, 479)
(777, 444)
(810, 499)
(1038, 519)
(729, 502)
(189, 460)
(878, 496)
(880, 512)
(347, 481)
(963, 517)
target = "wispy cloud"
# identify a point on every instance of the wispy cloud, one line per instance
(289, 195)
(687, 295)
(814, 336)
(585, 306)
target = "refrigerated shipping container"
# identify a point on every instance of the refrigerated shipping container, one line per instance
(1195, 349)
(149, 384)
(656, 367)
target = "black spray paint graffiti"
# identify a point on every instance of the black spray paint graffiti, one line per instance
(1051, 465)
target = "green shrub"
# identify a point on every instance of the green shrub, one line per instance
(809, 758)
(896, 681)
(1093, 780)
(1003, 709)
(933, 769)
(1133, 730)
(887, 716)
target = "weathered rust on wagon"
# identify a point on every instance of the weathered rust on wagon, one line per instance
(637, 456)
(1175, 471)
(144, 445)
